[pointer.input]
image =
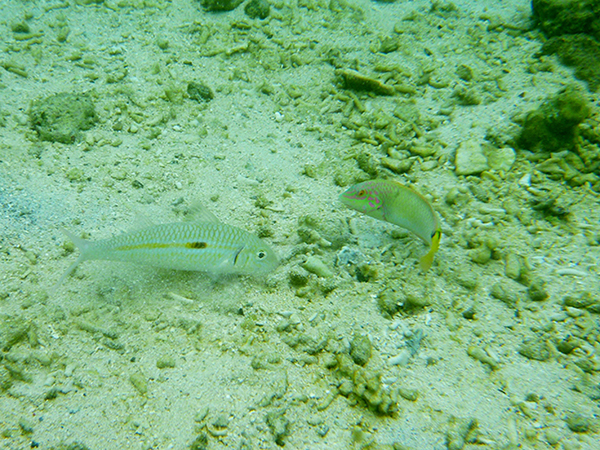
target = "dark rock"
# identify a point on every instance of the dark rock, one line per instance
(580, 52)
(220, 5)
(257, 9)
(199, 91)
(553, 126)
(558, 17)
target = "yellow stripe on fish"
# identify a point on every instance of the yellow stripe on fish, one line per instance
(393, 202)
(200, 244)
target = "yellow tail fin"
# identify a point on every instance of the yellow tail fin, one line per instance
(427, 259)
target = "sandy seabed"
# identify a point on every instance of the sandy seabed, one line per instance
(129, 357)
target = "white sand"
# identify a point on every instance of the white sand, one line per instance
(245, 144)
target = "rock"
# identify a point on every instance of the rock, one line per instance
(505, 294)
(257, 9)
(578, 423)
(470, 159)
(557, 17)
(500, 158)
(314, 264)
(583, 300)
(349, 256)
(481, 255)
(513, 266)
(279, 425)
(460, 431)
(395, 165)
(535, 348)
(553, 127)
(360, 349)
(61, 117)
(580, 52)
(537, 290)
(200, 443)
(220, 5)
(200, 92)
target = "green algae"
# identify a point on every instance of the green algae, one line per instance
(580, 52)
(62, 117)
(552, 127)
(219, 5)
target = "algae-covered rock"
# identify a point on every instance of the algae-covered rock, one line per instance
(573, 27)
(583, 300)
(557, 17)
(363, 386)
(370, 390)
(199, 91)
(537, 290)
(553, 127)
(279, 425)
(61, 117)
(505, 293)
(535, 348)
(578, 423)
(580, 52)
(390, 302)
(460, 431)
(360, 349)
(13, 330)
(200, 443)
(5, 379)
(220, 5)
(257, 9)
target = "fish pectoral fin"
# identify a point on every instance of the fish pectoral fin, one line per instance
(427, 260)
(237, 253)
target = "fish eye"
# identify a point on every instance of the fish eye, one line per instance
(261, 254)
(362, 193)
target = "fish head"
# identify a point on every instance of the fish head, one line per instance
(363, 197)
(255, 258)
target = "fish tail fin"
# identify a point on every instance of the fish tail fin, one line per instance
(83, 246)
(427, 259)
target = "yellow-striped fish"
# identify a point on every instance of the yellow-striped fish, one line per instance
(398, 204)
(201, 243)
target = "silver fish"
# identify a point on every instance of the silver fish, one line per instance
(199, 244)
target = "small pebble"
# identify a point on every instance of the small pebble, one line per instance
(314, 264)
(408, 394)
(481, 255)
(201, 414)
(165, 362)
(512, 266)
(360, 349)
(401, 359)
(537, 290)
(139, 382)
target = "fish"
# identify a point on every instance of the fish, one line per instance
(395, 203)
(199, 243)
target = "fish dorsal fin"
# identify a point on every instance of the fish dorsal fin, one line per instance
(199, 213)
(141, 221)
